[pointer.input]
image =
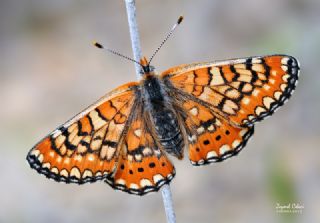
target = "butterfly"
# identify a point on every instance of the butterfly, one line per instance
(126, 137)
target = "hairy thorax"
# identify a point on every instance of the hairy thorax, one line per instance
(163, 116)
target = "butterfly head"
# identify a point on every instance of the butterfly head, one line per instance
(146, 67)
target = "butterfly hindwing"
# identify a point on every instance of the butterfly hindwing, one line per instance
(143, 167)
(85, 149)
(212, 139)
(242, 90)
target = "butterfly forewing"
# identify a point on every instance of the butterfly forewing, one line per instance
(85, 149)
(242, 90)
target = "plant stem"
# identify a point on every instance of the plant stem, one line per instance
(136, 48)
(134, 34)
(168, 203)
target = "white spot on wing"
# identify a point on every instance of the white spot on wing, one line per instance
(255, 92)
(243, 132)
(267, 101)
(51, 154)
(170, 176)
(240, 66)
(259, 110)
(147, 151)
(59, 159)
(258, 67)
(246, 101)
(157, 178)
(145, 183)
(235, 143)
(256, 60)
(121, 181)
(285, 77)
(87, 173)
(96, 120)
(192, 138)
(201, 161)
(138, 157)
(75, 172)
(194, 111)
(211, 128)
(91, 157)
(130, 158)
(66, 160)
(284, 68)
(55, 133)
(40, 158)
(137, 132)
(110, 152)
(266, 87)
(283, 87)
(272, 81)
(216, 77)
(285, 60)
(192, 162)
(200, 130)
(211, 154)
(64, 173)
(78, 158)
(55, 170)
(223, 149)
(134, 186)
(277, 94)
(60, 140)
(35, 152)
(218, 123)
(274, 73)
(46, 165)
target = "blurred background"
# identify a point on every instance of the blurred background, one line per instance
(49, 71)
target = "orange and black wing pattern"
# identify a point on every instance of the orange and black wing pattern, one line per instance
(142, 166)
(116, 138)
(243, 91)
(211, 138)
(86, 148)
(224, 99)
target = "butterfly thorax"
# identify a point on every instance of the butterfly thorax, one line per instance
(161, 112)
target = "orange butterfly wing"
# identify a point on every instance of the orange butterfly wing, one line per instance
(242, 91)
(144, 167)
(86, 148)
(224, 99)
(212, 139)
(109, 140)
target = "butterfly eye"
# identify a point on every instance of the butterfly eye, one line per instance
(148, 69)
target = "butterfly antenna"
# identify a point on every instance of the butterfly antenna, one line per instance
(100, 46)
(180, 19)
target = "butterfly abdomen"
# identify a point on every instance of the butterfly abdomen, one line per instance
(168, 131)
(162, 115)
